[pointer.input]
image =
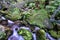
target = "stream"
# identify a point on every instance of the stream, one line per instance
(15, 35)
(43, 27)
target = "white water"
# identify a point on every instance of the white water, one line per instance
(15, 34)
(34, 36)
(49, 37)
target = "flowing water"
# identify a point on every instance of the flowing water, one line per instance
(49, 37)
(15, 35)
(34, 36)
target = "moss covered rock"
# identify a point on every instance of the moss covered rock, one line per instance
(41, 35)
(13, 13)
(54, 34)
(37, 17)
(25, 33)
(53, 4)
(2, 32)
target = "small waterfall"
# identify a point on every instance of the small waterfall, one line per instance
(49, 37)
(10, 23)
(15, 35)
(34, 36)
(37, 28)
(2, 18)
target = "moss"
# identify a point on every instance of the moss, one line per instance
(2, 35)
(58, 34)
(25, 33)
(54, 34)
(53, 4)
(41, 35)
(13, 13)
(38, 17)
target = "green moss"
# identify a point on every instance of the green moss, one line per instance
(53, 4)
(2, 35)
(38, 17)
(26, 14)
(13, 13)
(54, 34)
(41, 35)
(25, 33)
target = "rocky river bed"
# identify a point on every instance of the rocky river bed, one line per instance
(29, 20)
